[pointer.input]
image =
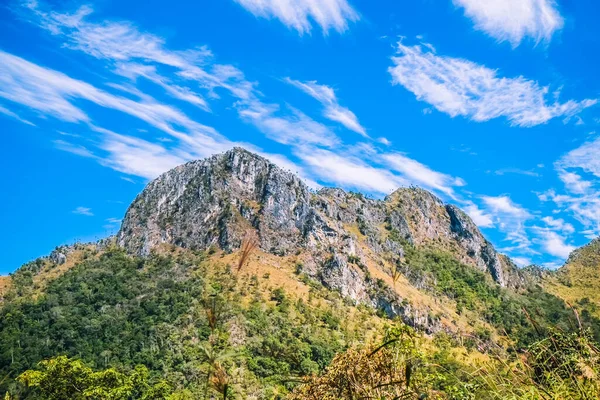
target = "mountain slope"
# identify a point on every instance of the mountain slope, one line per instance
(578, 281)
(341, 239)
(331, 272)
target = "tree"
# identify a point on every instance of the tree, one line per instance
(62, 378)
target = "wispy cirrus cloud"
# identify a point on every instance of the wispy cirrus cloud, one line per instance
(135, 156)
(505, 205)
(53, 93)
(333, 110)
(555, 244)
(514, 20)
(516, 171)
(522, 261)
(76, 149)
(134, 71)
(83, 211)
(300, 14)
(510, 218)
(349, 171)
(14, 115)
(528, 235)
(559, 224)
(135, 54)
(293, 128)
(422, 175)
(112, 223)
(579, 171)
(194, 76)
(460, 87)
(482, 219)
(584, 157)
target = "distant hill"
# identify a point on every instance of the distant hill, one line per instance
(578, 281)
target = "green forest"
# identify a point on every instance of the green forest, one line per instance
(179, 325)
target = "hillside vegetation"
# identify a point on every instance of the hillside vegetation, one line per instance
(578, 282)
(181, 324)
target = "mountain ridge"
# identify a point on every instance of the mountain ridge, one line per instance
(270, 199)
(340, 238)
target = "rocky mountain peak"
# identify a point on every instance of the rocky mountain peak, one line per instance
(217, 201)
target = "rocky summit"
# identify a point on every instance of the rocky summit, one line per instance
(219, 201)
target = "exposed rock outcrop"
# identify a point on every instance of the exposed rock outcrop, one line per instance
(216, 201)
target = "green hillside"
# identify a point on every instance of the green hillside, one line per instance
(267, 330)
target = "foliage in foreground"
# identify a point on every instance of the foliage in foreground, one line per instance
(560, 366)
(405, 366)
(63, 379)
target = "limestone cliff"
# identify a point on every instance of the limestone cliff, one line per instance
(217, 201)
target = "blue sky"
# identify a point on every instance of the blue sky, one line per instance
(492, 105)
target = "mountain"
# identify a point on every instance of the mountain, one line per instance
(340, 238)
(182, 290)
(217, 200)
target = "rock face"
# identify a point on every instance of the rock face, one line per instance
(216, 201)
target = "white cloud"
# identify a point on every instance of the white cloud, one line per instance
(134, 54)
(73, 148)
(133, 70)
(421, 174)
(584, 157)
(581, 197)
(138, 54)
(510, 218)
(522, 261)
(14, 115)
(460, 87)
(138, 157)
(297, 14)
(123, 44)
(555, 244)
(585, 208)
(83, 211)
(504, 205)
(513, 20)
(112, 223)
(51, 92)
(516, 171)
(559, 224)
(349, 171)
(333, 110)
(292, 128)
(573, 182)
(481, 218)
(39, 88)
